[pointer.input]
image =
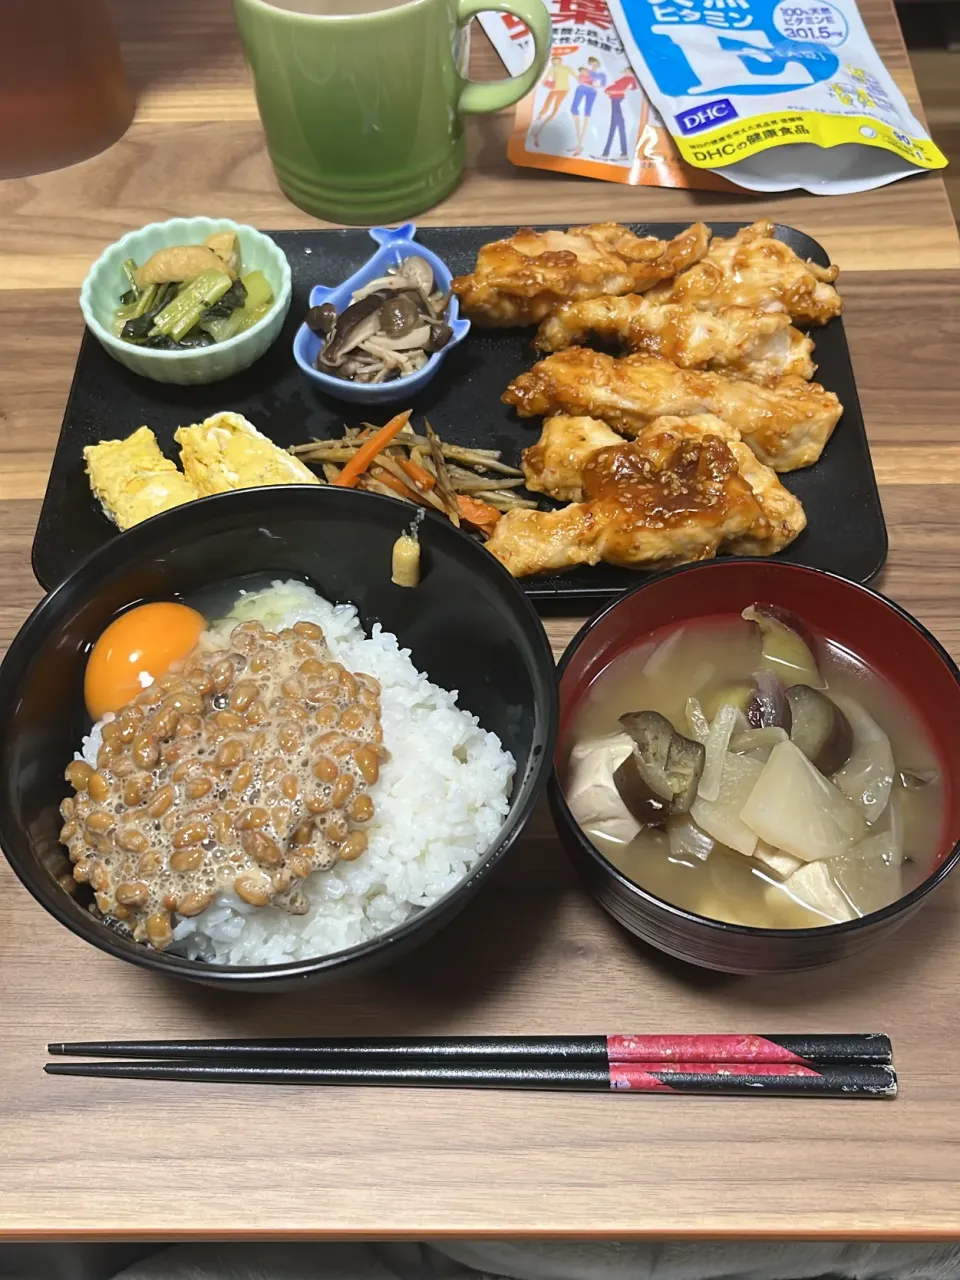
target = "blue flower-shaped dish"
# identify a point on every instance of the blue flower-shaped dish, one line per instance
(395, 246)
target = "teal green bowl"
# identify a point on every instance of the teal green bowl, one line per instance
(105, 282)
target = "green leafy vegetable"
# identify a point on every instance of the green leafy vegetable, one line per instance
(179, 316)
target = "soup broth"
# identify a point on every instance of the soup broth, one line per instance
(713, 663)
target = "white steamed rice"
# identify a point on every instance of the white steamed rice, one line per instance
(440, 802)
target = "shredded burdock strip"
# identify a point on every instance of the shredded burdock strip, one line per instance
(444, 487)
(505, 501)
(462, 483)
(320, 450)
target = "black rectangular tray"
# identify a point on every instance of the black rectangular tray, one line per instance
(845, 534)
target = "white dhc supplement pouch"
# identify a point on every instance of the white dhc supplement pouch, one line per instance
(775, 93)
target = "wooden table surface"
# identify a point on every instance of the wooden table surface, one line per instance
(532, 954)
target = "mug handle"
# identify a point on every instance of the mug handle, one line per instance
(477, 97)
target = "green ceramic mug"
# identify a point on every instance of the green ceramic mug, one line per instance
(361, 100)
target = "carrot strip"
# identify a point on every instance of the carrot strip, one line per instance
(391, 482)
(358, 464)
(420, 476)
(370, 484)
(480, 514)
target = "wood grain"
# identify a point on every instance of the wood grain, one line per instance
(196, 138)
(532, 953)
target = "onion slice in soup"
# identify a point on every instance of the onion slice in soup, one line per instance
(867, 777)
(768, 707)
(721, 730)
(758, 740)
(884, 841)
(794, 808)
(687, 839)
(697, 722)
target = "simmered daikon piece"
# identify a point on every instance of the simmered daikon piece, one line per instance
(814, 887)
(720, 818)
(794, 808)
(867, 882)
(781, 864)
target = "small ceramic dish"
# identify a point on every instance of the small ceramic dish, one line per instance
(105, 282)
(395, 247)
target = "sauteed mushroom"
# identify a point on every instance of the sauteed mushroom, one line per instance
(391, 328)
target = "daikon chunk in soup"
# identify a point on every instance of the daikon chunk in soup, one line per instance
(751, 772)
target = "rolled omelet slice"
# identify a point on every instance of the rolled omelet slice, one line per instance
(132, 480)
(228, 452)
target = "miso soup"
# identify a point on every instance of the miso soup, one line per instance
(747, 771)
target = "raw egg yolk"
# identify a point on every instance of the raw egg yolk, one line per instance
(136, 649)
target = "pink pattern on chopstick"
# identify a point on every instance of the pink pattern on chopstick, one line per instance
(743, 1049)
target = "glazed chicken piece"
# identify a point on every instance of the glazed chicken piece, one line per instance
(786, 425)
(754, 344)
(675, 494)
(520, 280)
(752, 269)
(555, 465)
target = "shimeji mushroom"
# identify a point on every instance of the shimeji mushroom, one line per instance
(391, 328)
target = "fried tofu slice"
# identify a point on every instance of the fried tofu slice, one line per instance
(518, 281)
(786, 425)
(181, 262)
(754, 269)
(132, 480)
(683, 490)
(751, 343)
(227, 452)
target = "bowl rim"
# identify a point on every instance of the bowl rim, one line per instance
(106, 338)
(559, 803)
(248, 502)
(410, 381)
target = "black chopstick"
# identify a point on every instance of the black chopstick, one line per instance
(754, 1079)
(861, 1050)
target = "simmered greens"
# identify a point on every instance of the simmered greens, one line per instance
(187, 296)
